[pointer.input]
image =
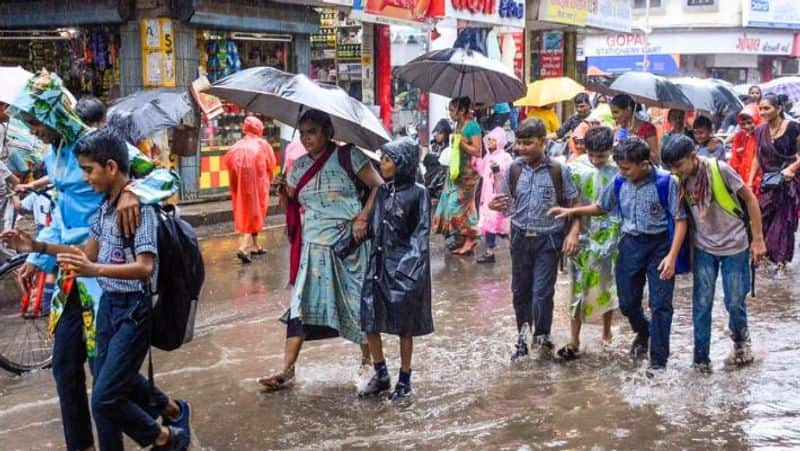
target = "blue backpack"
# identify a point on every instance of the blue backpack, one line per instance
(683, 264)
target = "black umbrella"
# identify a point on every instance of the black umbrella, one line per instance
(284, 96)
(710, 95)
(459, 72)
(646, 88)
(146, 112)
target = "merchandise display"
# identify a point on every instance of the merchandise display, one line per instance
(336, 52)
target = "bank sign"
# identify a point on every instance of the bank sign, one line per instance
(689, 42)
(509, 13)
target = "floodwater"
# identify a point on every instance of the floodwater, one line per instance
(468, 394)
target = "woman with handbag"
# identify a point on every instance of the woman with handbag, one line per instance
(328, 256)
(778, 141)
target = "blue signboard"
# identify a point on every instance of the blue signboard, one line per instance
(657, 64)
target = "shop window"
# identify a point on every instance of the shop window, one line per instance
(86, 58)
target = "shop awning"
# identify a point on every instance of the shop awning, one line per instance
(64, 13)
(245, 16)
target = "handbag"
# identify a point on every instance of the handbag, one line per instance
(771, 180)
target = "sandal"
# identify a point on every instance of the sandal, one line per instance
(243, 257)
(276, 382)
(259, 251)
(742, 354)
(485, 258)
(568, 352)
(466, 252)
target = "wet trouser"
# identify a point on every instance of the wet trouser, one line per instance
(490, 239)
(639, 257)
(735, 286)
(69, 357)
(534, 268)
(122, 399)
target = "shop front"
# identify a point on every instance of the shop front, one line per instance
(236, 35)
(738, 56)
(80, 42)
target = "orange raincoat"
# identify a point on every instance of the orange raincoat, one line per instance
(744, 146)
(250, 163)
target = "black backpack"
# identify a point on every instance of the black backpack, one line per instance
(180, 277)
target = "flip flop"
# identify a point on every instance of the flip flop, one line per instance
(243, 257)
(276, 382)
(568, 353)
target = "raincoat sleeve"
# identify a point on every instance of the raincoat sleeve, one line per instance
(154, 184)
(415, 261)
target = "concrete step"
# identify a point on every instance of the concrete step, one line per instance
(217, 211)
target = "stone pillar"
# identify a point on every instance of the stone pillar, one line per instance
(302, 54)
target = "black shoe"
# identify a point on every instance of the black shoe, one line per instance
(702, 368)
(401, 392)
(639, 347)
(375, 386)
(654, 371)
(485, 258)
(244, 258)
(520, 351)
(178, 440)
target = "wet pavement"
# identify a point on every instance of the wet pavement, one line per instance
(468, 395)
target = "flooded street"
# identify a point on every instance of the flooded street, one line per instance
(468, 394)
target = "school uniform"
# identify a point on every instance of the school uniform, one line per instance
(644, 245)
(536, 240)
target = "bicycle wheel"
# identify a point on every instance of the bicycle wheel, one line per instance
(25, 343)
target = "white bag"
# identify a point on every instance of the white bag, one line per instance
(444, 157)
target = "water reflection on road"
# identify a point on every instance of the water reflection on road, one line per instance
(468, 394)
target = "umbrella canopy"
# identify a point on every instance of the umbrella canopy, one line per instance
(788, 86)
(649, 89)
(285, 96)
(14, 79)
(459, 73)
(709, 94)
(550, 90)
(146, 112)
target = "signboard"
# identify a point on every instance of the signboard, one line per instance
(551, 57)
(158, 53)
(771, 13)
(413, 10)
(610, 15)
(656, 64)
(210, 106)
(510, 13)
(714, 42)
(570, 12)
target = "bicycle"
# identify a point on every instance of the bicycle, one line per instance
(25, 341)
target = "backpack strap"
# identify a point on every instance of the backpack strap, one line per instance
(618, 181)
(345, 161)
(515, 171)
(723, 196)
(663, 179)
(558, 181)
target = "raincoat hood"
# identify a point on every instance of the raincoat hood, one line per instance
(404, 153)
(751, 110)
(45, 98)
(253, 127)
(499, 135)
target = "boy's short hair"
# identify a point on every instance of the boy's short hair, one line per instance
(90, 109)
(703, 122)
(677, 148)
(581, 98)
(599, 139)
(632, 150)
(104, 145)
(532, 127)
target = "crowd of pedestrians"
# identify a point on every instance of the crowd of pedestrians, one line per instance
(624, 208)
